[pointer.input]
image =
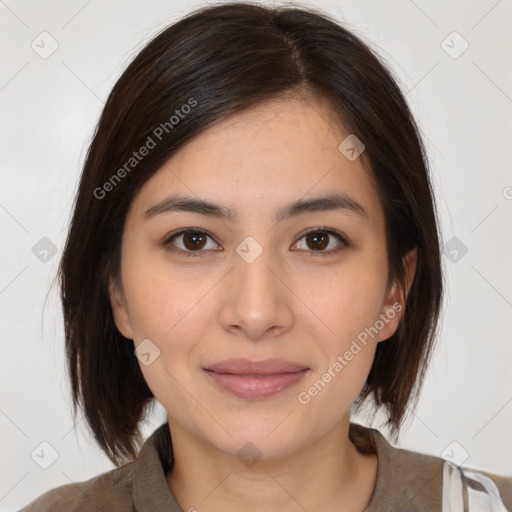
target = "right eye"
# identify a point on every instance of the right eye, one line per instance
(192, 240)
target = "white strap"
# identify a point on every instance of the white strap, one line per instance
(452, 489)
(479, 500)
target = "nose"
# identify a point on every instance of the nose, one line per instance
(257, 303)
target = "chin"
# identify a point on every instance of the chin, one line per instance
(260, 440)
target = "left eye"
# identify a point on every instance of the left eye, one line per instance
(193, 241)
(319, 238)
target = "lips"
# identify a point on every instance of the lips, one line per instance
(255, 379)
(247, 367)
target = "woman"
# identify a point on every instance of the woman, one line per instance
(255, 245)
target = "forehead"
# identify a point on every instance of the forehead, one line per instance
(264, 157)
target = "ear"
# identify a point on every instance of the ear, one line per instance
(394, 303)
(119, 309)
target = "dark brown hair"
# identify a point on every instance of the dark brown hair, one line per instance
(222, 59)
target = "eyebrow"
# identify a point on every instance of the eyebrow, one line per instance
(326, 203)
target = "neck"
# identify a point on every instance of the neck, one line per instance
(328, 474)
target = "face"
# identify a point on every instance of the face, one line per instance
(256, 280)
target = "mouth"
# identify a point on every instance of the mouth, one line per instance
(255, 380)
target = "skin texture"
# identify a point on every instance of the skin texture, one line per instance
(291, 302)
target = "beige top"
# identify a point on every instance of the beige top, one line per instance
(407, 481)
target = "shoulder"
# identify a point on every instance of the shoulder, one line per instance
(436, 480)
(406, 480)
(109, 491)
(414, 481)
(504, 484)
(497, 489)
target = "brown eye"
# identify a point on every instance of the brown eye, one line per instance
(189, 242)
(318, 239)
(193, 240)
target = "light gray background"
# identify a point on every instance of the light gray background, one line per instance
(49, 108)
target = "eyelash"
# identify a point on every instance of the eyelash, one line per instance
(344, 243)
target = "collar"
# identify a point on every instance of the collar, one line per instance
(403, 477)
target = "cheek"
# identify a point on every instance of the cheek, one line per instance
(166, 310)
(348, 302)
(348, 308)
(160, 301)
